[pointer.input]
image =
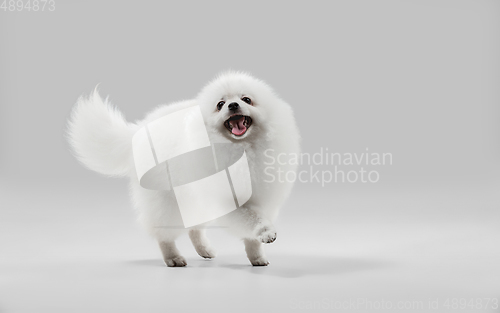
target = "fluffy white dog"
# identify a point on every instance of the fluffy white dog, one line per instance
(238, 109)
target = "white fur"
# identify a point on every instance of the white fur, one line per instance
(100, 136)
(101, 140)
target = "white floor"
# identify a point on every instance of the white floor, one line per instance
(420, 250)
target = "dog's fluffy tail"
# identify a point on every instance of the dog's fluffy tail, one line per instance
(100, 136)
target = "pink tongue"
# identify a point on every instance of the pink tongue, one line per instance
(238, 127)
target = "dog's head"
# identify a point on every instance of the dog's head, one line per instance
(238, 106)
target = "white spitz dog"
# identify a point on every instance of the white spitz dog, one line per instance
(237, 108)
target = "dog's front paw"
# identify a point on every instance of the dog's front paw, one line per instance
(266, 234)
(178, 261)
(207, 252)
(261, 261)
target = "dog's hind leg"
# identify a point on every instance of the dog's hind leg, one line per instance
(201, 243)
(171, 255)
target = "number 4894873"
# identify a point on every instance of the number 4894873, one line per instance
(28, 5)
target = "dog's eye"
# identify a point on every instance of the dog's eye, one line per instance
(219, 105)
(247, 100)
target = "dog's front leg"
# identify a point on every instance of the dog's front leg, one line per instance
(255, 230)
(248, 223)
(255, 252)
(171, 255)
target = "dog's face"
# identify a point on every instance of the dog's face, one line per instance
(237, 106)
(235, 112)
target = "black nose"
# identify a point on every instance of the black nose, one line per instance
(233, 106)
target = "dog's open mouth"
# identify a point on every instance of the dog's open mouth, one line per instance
(238, 124)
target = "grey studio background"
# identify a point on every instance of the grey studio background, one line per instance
(417, 79)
